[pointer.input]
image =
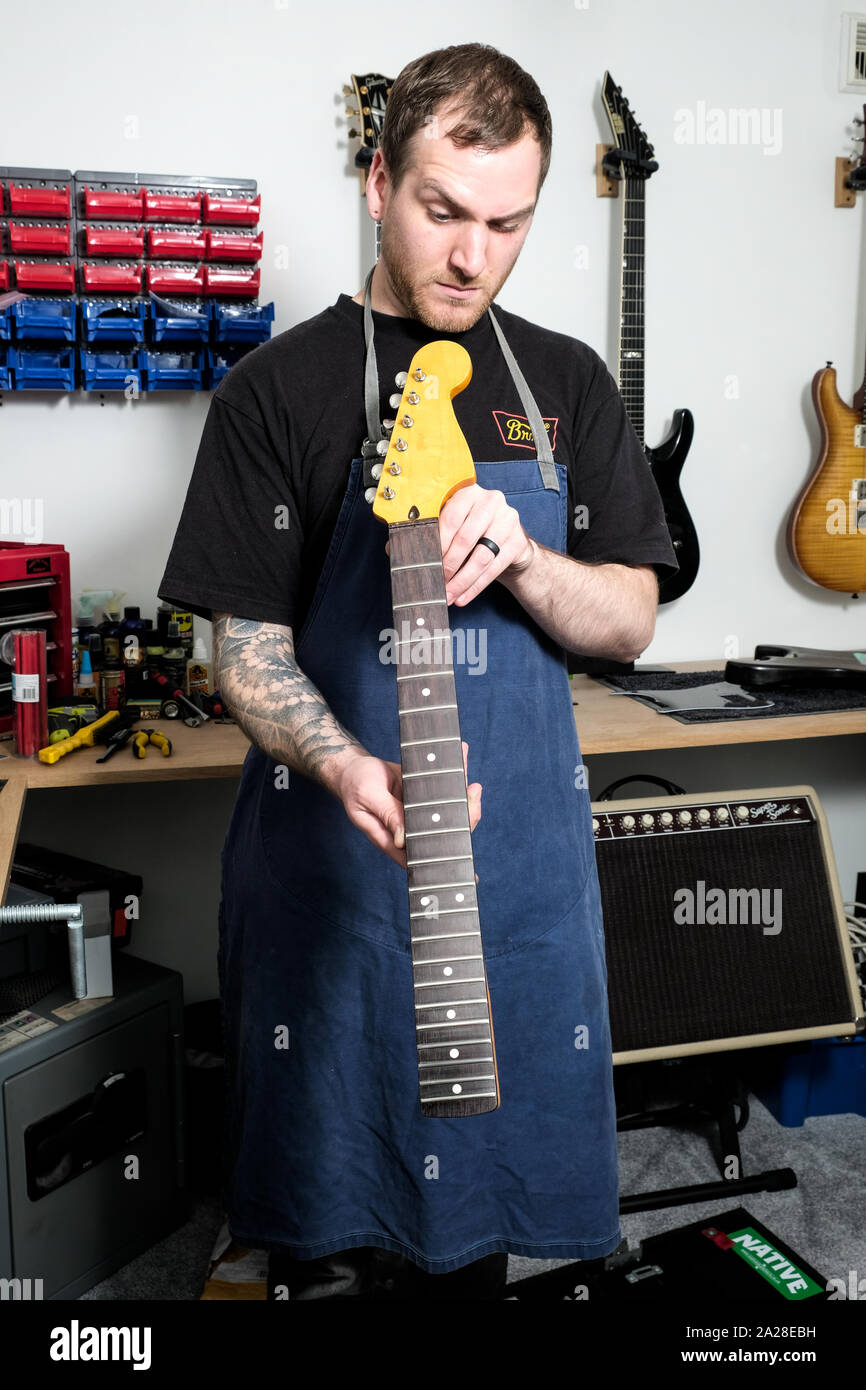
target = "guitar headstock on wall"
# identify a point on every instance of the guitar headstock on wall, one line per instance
(632, 155)
(370, 91)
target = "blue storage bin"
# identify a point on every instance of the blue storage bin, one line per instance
(5, 375)
(222, 359)
(178, 323)
(110, 371)
(42, 370)
(173, 371)
(242, 323)
(824, 1077)
(113, 320)
(6, 323)
(52, 319)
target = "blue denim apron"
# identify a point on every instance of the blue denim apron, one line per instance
(326, 1145)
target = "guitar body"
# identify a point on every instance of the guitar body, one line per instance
(827, 527)
(666, 462)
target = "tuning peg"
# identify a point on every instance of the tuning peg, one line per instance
(376, 471)
(388, 425)
(401, 378)
(354, 134)
(858, 120)
(352, 111)
(370, 494)
(394, 401)
(382, 447)
(347, 90)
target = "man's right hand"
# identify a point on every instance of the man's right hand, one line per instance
(371, 791)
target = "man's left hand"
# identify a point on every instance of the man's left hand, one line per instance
(471, 513)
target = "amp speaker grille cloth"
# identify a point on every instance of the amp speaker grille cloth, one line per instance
(670, 983)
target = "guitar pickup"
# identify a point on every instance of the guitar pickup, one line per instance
(860, 436)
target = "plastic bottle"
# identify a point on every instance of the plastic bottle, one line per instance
(132, 626)
(86, 687)
(109, 630)
(198, 677)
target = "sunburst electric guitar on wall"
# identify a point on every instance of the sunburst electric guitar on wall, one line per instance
(427, 460)
(632, 162)
(827, 527)
(370, 90)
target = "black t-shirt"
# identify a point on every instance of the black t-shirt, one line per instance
(286, 421)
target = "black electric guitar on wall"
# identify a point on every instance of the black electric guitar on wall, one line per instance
(370, 90)
(427, 460)
(632, 162)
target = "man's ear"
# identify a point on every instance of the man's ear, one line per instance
(377, 183)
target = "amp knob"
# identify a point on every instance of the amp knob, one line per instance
(684, 817)
(594, 823)
(646, 821)
(628, 822)
(667, 818)
(742, 813)
(703, 815)
(722, 813)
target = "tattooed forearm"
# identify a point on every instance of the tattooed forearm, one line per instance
(277, 706)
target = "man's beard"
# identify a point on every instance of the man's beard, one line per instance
(444, 318)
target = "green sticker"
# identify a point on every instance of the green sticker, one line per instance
(785, 1277)
(861, 656)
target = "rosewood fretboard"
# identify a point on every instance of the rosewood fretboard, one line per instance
(454, 1031)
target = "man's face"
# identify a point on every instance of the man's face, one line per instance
(454, 226)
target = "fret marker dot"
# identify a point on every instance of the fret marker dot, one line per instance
(447, 970)
(451, 1014)
(457, 1088)
(459, 897)
(431, 757)
(424, 902)
(419, 622)
(435, 816)
(426, 690)
(455, 1052)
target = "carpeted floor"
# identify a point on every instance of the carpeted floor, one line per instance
(822, 1219)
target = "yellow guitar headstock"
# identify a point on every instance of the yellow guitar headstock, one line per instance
(428, 458)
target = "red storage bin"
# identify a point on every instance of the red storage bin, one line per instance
(112, 204)
(219, 280)
(232, 246)
(38, 202)
(41, 240)
(181, 246)
(114, 241)
(239, 212)
(44, 275)
(123, 278)
(179, 279)
(172, 207)
(4, 275)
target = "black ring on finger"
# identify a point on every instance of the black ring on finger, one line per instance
(491, 545)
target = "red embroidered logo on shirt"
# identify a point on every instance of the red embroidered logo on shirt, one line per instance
(516, 432)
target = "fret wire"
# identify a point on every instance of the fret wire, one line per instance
(455, 1061)
(487, 1076)
(443, 935)
(466, 1042)
(443, 859)
(447, 830)
(434, 772)
(451, 1003)
(420, 565)
(451, 1023)
(430, 886)
(420, 603)
(446, 801)
(416, 742)
(423, 675)
(424, 709)
(437, 1100)
(444, 984)
(443, 960)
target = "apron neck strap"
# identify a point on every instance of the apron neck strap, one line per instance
(370, 453)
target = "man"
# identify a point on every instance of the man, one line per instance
(331, 1164)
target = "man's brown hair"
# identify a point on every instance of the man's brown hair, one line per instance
(494, 98)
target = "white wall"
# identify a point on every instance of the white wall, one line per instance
(751, 273)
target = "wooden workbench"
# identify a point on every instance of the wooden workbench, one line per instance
(606, 723)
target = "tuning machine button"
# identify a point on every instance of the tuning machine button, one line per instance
(376, 471)
(401, 378)
(382, 447)
(394, 401)
(370, 494)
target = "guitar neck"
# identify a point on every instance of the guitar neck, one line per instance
(454, 1031)
(632, 283)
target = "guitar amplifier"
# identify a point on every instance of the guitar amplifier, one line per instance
(724, 924)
